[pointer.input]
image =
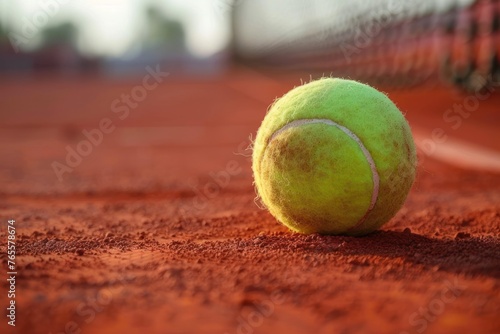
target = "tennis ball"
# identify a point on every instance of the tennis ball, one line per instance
(334, 156)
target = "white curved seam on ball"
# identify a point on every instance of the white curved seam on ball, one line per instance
(352, 135)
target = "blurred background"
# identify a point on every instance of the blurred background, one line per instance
(126, 129)
(111, 36)
(396, 43)
(66, 65)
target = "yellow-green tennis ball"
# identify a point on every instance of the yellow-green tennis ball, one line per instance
(334, 156)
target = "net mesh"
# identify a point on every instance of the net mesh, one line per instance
(397, 42)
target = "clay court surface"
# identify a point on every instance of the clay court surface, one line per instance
(140, 238)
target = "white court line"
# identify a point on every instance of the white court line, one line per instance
(461, 153)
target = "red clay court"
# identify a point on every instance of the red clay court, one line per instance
(137, 238)
(127, 202)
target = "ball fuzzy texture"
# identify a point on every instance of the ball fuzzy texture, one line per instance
(334, 156)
